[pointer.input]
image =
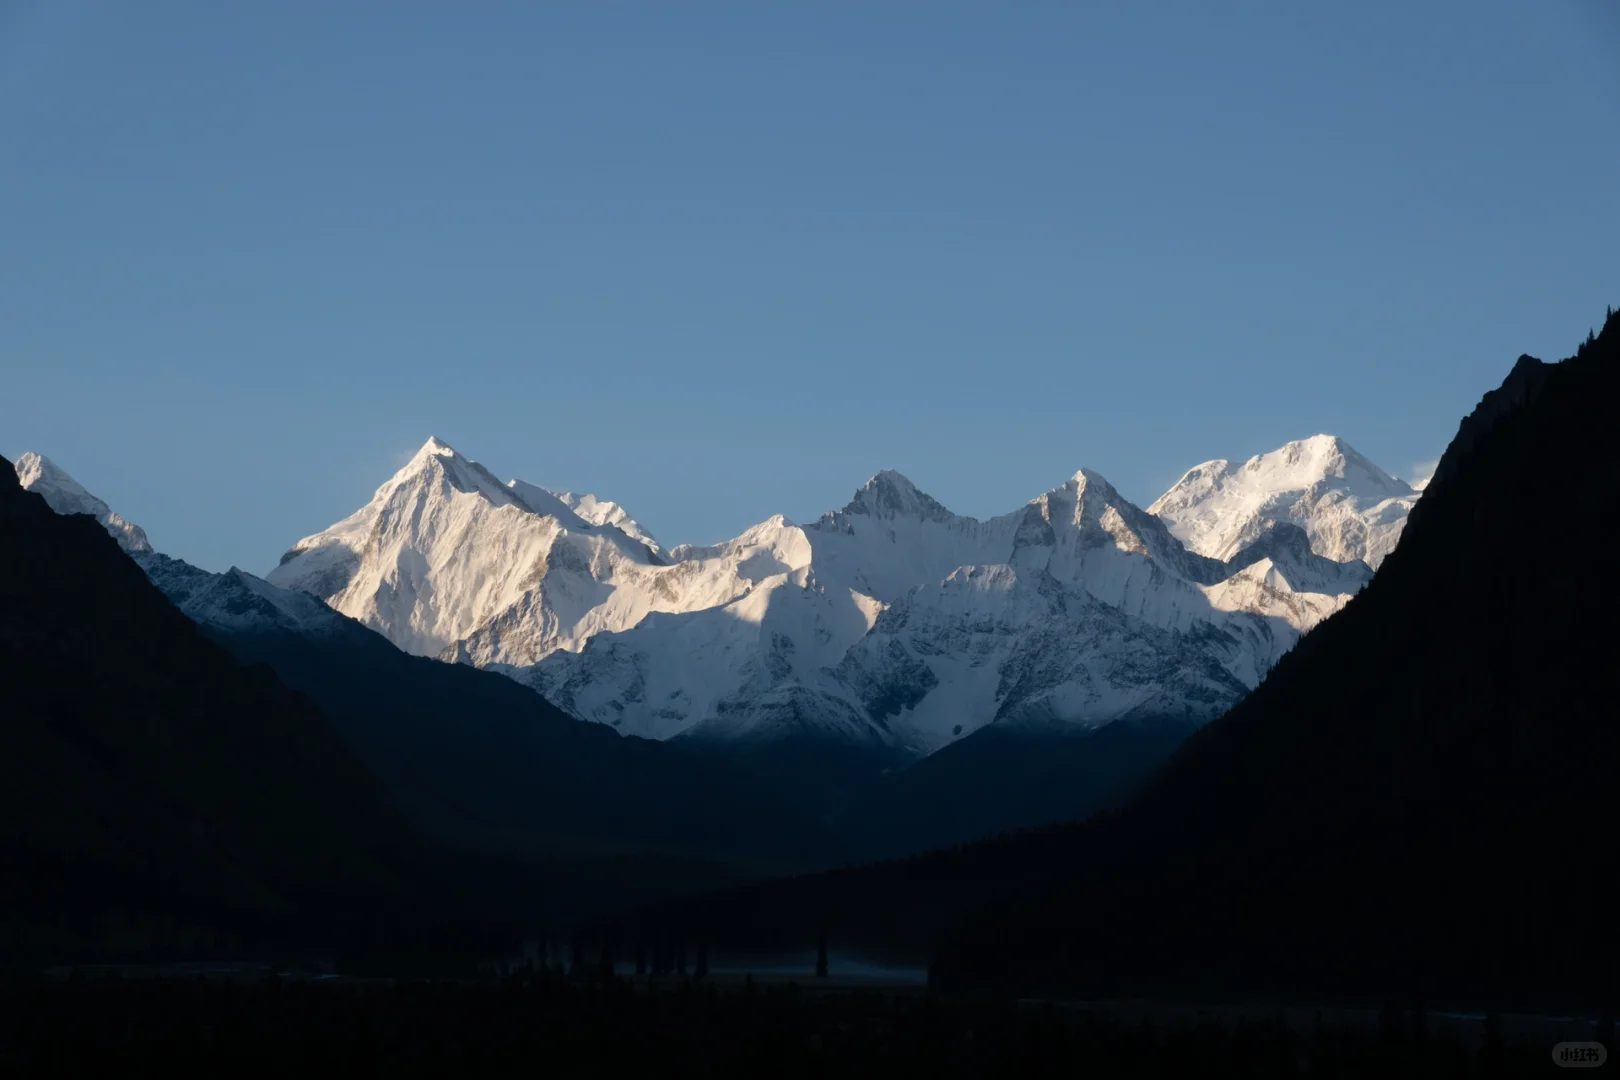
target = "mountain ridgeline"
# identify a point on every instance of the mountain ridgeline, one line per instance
(198, 764)
(892, 626)
(1419, 798)
(156, 791)
(889, 678)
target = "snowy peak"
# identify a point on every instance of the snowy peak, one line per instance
(605, 512)
(448, 560)
(890, 495)
(584, 511)
(439, 462)
(323, 564)
(1087, 513)
(238, 601)
(444, 547)
(1349, 507)
(65, 495)
(1323, 458)
(541, 501)
(436, 445)
(234, 600)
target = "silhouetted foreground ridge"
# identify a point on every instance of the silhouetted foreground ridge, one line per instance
(1422, 795)
(156, 797)
(1419, 799)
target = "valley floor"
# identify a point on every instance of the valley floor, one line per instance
(209, 1022)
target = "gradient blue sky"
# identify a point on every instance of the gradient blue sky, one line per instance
(718, 261)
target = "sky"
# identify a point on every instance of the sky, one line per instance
(717, 261)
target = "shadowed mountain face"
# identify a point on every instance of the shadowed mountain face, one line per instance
(485, 762)
(144, 772)
(1419, 798)
(1008, 777)
(481, 763)
(159, 798)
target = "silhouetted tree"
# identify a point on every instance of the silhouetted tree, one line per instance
(680, 960)
(1492, 1051)
(577, 960)
(821, 958)
(1392, 1023)
(702, 971)
(641, 958)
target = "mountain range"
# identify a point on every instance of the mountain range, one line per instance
(1415, 793)
(810, 673)
(892, 623)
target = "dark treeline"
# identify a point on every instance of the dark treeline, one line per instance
(545, 1024)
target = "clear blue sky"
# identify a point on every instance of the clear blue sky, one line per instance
(718, 261)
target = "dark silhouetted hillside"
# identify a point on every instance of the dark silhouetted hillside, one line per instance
(157, 794)
(488, 763)
(1002, 778)
(1420, 797)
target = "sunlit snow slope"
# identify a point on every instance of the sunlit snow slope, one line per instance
(63, 494)
(892, 621)
(1349, 507)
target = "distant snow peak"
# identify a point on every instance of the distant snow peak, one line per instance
(1349, 507)
(448, 560)
(65, 495)
(234, 600)
(436, 445)
(1422, 473)
(238, 601)
(1084, 478)
(588, 510)
(1078, 608)
(889, 494)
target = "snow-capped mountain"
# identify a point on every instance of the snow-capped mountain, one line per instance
(238, 602)
(599, 512)
(234, 601)
(474, 757)
(445, 551)
(892, 622)
(64, 495)
(1349, 507)
(903, 623)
